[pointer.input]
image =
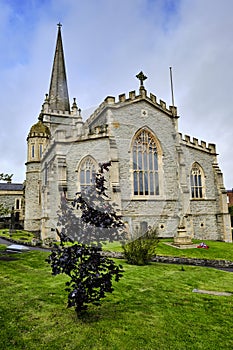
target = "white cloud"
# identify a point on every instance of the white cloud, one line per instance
(106, 43)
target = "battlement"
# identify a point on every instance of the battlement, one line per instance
(67, 135)
(56, 112)
(200, 145)
(38, 134)
(131, 98)
(99, 130)
(47, 110)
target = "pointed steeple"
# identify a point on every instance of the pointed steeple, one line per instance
(58, 91)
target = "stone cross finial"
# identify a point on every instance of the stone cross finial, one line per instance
(141, 76)
(74, 103)
(59, 25)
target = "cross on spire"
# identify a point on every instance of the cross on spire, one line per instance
(59, 25)
(141, 76)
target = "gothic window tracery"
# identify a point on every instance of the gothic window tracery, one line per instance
(86, 172)
(145, 165)
(197, 181)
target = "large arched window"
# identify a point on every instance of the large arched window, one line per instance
(86, 172)
(145, 164)
(197, 181)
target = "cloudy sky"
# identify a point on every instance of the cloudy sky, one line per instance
(106, 43)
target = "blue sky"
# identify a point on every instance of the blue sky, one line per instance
(106, 43)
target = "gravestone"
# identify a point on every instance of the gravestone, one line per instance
(212, 292)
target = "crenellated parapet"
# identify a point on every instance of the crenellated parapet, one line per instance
(65, 135)
(99, 130)
(123, 99)
(57, 112)
(47, 110)
(200, 145)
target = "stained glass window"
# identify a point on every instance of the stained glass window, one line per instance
(87, 171)
(145, 165)
(196, 181)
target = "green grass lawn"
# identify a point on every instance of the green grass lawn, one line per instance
(217, 250)
(152, 307)
(18, 235)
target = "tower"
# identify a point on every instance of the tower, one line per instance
(37, 141)
(55, 117)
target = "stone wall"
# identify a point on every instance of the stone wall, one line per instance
(108, 135)
(180, 261)
(32, 198)
(9, 199)
(12, 199)
(194, 262)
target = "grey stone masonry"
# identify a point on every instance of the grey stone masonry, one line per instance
(158, 177)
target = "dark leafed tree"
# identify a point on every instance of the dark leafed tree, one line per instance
(85, 225)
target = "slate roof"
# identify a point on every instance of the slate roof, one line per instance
(5, 186)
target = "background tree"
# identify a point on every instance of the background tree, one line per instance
(6, 177)
(86, 225)
(3, 209)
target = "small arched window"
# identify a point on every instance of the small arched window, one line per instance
(41, 150)
(86, 172)
(33, 151)
(197, 181)
(17, 204)
(145, 165)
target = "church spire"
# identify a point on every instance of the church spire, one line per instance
(58, 91)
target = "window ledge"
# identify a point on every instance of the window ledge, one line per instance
(148, 198)
(203, 200)
(198, 199)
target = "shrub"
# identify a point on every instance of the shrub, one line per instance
(140, 250)
(49, 242)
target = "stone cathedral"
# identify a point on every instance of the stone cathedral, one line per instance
(158, 178)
